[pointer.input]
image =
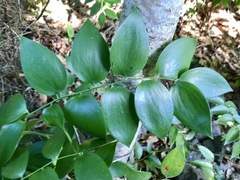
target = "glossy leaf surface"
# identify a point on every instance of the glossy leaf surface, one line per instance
(47, 173)
(17, 165)
(41, 67)
(13, 109)
(120, 115)
(53, 116)
(204, 78)
(130, 47)
(154, 107)
(191, 107)
(85, 113)
(173, 164)
(90, 54)
(176, 58)
(10, 134)
(91, 166)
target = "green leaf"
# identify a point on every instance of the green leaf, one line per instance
(155, 161)
(118, 169)
(206, 166)
(107, 152)
(17, 165)
(133, 175)
(110, 13)
(172, 166)
(236, 149)
(13, 109)
(216, 100)
(154, 107)
(232, 135)
(10, 135)
(54, 145)
(91, 166)
(225, 3)
(47, 173)
(53, 116)
(41, 67)
(138, 150)
(225, 119)
(130, 47)
(206, 153)
(215, 3)
(220, 109)
(191, 107)
(230, 104)
(173, 134)
(65, 165)
(70, 31)
(176, 58)
(236, 117)
(90, 144)
(95, 8)
(85, 113)
(101, 19)
(120, 115)
(90, 54)
(113, 1)
(204, 78)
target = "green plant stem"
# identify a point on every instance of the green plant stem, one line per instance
(78, 93)
(36, 133)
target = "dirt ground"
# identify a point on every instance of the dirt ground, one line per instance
(217, 31)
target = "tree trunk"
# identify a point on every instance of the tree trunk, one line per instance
(160, 18)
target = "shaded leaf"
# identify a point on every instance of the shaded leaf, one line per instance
(206, 153)
(216, 100)
(154, 107)
(90, 144)
(191, 107)
(10, 135)
(138, 150)
(17, 165)
(101, 19)
(13, 109)
(232, 135)
(173, 134)
(46, 173)
(133, 175)
(95, 8)
(118, 169)
(107, 152)
(41, 67)
(219, 110)
(172, 166)
(176, 58)
(113, 1)
(203, 78)
(155, 161)
(90, 54)
(53, 116)
(85, 113)
(236, 149)
(120, 115)
(91, 166)
(130, 47)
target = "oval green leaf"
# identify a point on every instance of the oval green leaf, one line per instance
(206, 153)
(53, 116)
(173, 164)
(225, 119)
(17, 165)
(118, 169)
(85, 113)
(91, 166)
(120, 115)
(176, 58)
(41, 67)
(90, 54)
(47, 173)
(154, 107)
(220, 110)
(110, 13)
(113, 1)
(204, 78)
(232, 135)
(13, 109)
(133, 175)
(236, 149)
(130, 47)
(10, 135)
(191, 107)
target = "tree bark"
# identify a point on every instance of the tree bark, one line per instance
(160, 18)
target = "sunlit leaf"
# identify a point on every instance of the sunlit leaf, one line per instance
(91, 166)
(232, 135)
(225, 119)
(120, 115)
(154, 107)
(113, 1)
(101, 19)
(86, 114)
(47, 173)
(13, 109)
(17, 165)
(173, 134)
(176, 58)
(236, 149)
(130, 47)
(173, 164)
(204, 78)
(206, 153)
(70, 30)
(10, 135)
(41, 67)
(191, 107)
(90, 54)
(110, 13)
